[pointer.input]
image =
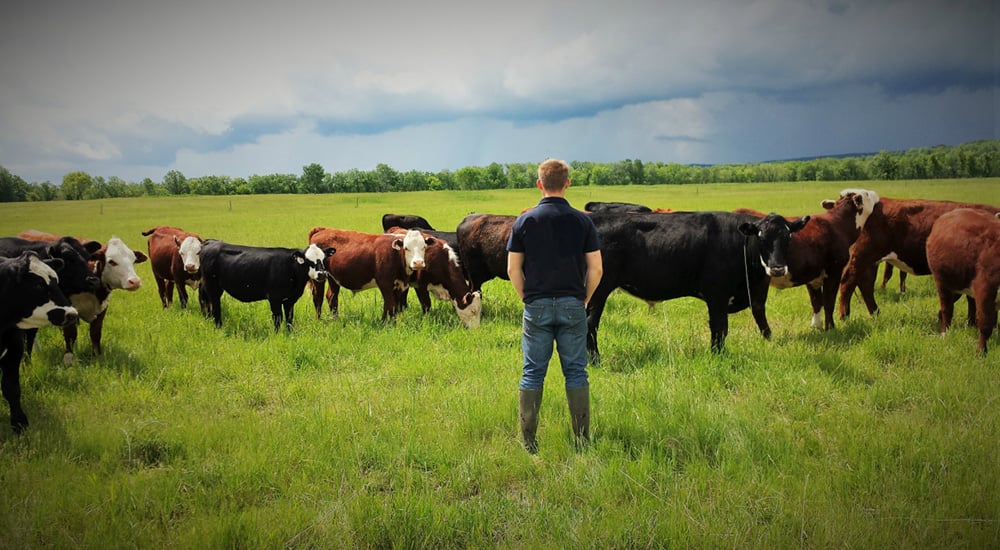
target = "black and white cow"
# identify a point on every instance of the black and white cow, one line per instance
(251, 274)
(74, 270)
(723, 258)
(30, 298)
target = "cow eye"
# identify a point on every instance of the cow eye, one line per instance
(112, 263)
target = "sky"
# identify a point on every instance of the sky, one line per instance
(137, 88)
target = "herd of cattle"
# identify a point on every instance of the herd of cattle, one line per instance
(726, 259)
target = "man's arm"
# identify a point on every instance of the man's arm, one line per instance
(515, 263)
(595, 270)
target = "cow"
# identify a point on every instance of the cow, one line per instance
(444, 276)
(36, 235)
(887, 275)
(963, 254)
(74, 270)
(174, 259)
(251, 274)
(30, 298)
(819, 251)
(723, 258)
(895, 231)
(405, 221)
(618, 207)
(482, 246)
(367, 260)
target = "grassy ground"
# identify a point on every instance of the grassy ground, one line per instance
(350, 432)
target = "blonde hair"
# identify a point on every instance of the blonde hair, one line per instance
(553, 173)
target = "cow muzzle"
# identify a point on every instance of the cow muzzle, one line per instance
(63, 316)
(777, 271)
(191, 269)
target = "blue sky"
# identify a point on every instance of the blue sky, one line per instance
(137, 88)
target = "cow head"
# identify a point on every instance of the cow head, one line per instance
(413, 245)
(115, 263)
(74, 268)
(773, 233)
(189, 250)
(864, 203)
(37, 299)
(469, 308)
(315, 258)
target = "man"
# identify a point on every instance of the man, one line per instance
(554, 263)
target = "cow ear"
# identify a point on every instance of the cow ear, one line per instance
(97, 256)
(139, 256)
(749, 229)
(859, 201)
(177, 241)
(92, 246)
(397, 244)
(798, 224)
(55, 263)
(828, 204)
(429, 241)
(329, 251)
(299, 257)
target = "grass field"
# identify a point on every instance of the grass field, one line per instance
(355, 433)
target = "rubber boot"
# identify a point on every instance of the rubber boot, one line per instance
(528, 403)
(579, 412)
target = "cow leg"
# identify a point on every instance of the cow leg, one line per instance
(594, 311)
(886, 274)
(971, 302)
(289, 307)
(161, 286)
(866, 284)
(215, 305)
(718, 323)
(758, 307)
(830, 287)
(316, 288)
(170, 293)
(29, 342)
(816, 300)
(96, 330)
(182, 294)
(986, 316)
(69, 339)
(390, 306)
(12, 347)
(946, 299)
(424, 296)
(902, 282)
(203, 302)
(276, 314)
(333, 299)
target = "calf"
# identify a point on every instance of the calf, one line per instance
(893, 230)
(963, 253)
(251, 274)
(366, 260)
(482, 246)
(722, 258)
(443, 275)
(818, 252)
(174, 258)
(30, 298)
(405, 221)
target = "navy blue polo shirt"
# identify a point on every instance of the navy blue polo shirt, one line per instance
(554, 237)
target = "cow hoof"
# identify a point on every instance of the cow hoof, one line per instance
(68, 359)
(19, 425)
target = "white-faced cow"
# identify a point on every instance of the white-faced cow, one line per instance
(30, 298)
(482, 246)
(444, 277)
(174, 259)
(895, 231)
(366, 260)
(251, 274)
(963, 253)
(723, 258)
(404, 221)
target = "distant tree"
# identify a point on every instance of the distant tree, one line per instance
(885, 166)
(386, 179)
(470, 178)
(313, 179)
(12, 187)
(175, 183)
(75, 185)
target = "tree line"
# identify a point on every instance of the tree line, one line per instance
(976, 159)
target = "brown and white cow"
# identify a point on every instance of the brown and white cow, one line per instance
(444, 277)
(895, 231)
(963, 252)
(174, 259)
(114, 265)
(819, 251)
(367, 260)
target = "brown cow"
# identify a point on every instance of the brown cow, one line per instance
(365, 260)
(818, 252)
(893, 230)
(963, 252)
(482, 246)
(173, 257)
(443, 275)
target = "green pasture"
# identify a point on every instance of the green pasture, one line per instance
(351, 432)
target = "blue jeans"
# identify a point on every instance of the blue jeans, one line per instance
(563, 321)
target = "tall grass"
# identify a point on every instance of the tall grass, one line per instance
(352, 432)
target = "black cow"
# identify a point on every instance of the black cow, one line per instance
(251, 274)
(30, 298)
(616, 207)
(718, 257)
(75, 274)
(482, 246)
(405, 221)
